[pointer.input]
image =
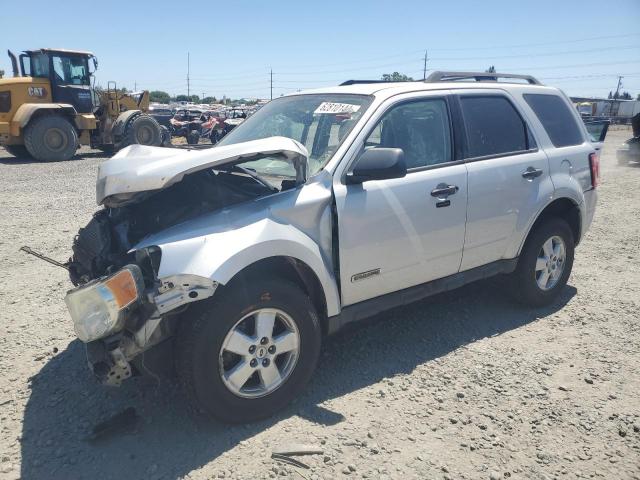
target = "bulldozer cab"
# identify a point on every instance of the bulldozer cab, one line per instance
(68, 72)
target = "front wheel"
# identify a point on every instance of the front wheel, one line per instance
(249, 350)
(545, 263)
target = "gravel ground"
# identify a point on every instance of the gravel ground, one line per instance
(462, 385)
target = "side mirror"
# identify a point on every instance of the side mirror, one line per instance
(378, 164)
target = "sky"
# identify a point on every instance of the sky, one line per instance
(581, 46)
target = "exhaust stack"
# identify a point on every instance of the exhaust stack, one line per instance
(14, 63)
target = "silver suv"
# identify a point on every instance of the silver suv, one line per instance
(231, 264)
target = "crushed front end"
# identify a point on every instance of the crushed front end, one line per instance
(124, 315)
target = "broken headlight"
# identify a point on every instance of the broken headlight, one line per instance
(98, 309)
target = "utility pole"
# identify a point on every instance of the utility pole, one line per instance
(271, 76)
(202, 98)
(424, 71)
(135, 86)
(617, 94)
(188, 68)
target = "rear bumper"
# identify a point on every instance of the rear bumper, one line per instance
(590, 201)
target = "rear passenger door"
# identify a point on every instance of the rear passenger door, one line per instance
(566, 147)
(508, 177)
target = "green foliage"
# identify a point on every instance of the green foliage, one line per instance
(396, 77)
(159, 96)
(209, 100)
(185, 98)
(491, 69)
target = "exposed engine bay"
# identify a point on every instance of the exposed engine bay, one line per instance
(101, 247)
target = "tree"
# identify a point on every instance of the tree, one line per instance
(491, 69)
(209, 100)
(638, 98)
(625, 96)
(610, 95)
(159, 96)
(396, 77)
(185, 98)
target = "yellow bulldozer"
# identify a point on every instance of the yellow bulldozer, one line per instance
(50, 107)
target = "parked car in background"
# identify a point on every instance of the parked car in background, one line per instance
(324, 208)
(162, 114)
(629, 151)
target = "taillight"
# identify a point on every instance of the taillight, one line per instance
(594, 165)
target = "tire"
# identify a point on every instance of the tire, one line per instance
(166, 136)
(529, 274)
(203, 365)
(193, 137)
(18, 151)
(51, 138)
(143, 130)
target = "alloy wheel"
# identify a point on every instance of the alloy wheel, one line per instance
(550, 263)
(259, 353)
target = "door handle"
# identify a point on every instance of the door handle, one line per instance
(530, 173)
(444, 190)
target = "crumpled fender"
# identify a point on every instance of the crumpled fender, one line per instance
(222, 254)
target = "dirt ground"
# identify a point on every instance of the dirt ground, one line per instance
(462, 385)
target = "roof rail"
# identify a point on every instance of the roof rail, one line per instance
(359, 82)
(478, 77)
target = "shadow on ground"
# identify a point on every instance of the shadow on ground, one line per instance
(28, 160)
(169, 442)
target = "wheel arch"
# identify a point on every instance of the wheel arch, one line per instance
(31, 111)
(291, 269)
(565, 208)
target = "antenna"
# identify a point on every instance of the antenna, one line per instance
(188, 68)
(271, 74)
(424, 71)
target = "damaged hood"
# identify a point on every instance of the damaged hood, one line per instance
(137, 168)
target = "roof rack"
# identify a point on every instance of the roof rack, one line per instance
(478, 77)
(360, 82)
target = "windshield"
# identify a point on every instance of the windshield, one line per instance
(319, 121)
(71, 70)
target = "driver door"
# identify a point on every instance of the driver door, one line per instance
(397, 233)
(70, 82)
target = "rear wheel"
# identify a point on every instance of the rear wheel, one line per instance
(193, 137)
(545, 263)
(18, 151)
(250, 351)
(51, 138)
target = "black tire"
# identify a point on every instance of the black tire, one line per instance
(200, 339)
(51, 138)
(166, 136)
(193, 137)
(18, 151)
(143, 130)
(525, 284)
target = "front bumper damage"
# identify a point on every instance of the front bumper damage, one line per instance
(116, 336)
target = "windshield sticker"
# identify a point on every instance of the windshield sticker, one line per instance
(335, 108)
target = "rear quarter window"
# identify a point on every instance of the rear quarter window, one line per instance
(556, 118)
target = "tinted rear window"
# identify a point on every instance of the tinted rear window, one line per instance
(556, 118)
(493, 126)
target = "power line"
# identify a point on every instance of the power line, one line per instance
(528, 55)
